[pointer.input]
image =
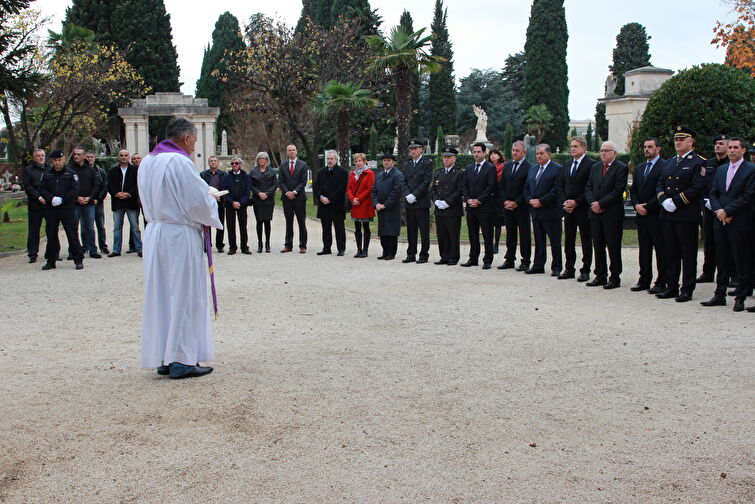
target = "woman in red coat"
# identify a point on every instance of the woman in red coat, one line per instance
(359, 191)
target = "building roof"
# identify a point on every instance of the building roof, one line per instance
(650, 69)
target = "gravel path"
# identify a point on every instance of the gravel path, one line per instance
(359, 381)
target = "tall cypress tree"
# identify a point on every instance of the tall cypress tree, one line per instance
(601, 122)
(441, 106)
(357, 10)
(631, 51)
(408, 23)
(319, 11)
(226, 38)
(546, 72)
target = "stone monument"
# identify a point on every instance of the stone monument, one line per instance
(223, 144)
(482, 124)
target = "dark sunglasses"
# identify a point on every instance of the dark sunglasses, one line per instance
(235, 162)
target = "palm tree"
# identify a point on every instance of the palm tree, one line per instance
(539, 121)
(403, 55)
(342, 98)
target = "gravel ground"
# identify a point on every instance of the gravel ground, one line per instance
(359, 381)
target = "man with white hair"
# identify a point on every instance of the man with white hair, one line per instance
(330, 195)
(176, 333)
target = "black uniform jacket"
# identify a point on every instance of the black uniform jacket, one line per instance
(417, 181)
(682, 180)
(63, 183)
(448, 187)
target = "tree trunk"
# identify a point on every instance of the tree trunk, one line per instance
(404, 85)
(343, 136)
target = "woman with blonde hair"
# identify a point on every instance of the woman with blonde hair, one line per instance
(359, 193)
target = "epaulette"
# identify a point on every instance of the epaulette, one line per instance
(698, 155)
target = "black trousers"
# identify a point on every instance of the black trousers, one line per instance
(709, 243)
(230, 218)
(66, 216)
(550, 229)
(680, 254)
(329, 222)
(390, 245)
(480, 221)
(572, 221)
(650, 237)
(448, 230)
(220, 233)
(32, 236)
(295, 207)
(418, 219)
(607, 234)
(518, 223)
(733, 259)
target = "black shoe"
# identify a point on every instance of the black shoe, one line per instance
(667, 294)
(32, 259)
(495, 249)
(389, 258)
(421, 260)
(220, 250)
(442, 261)
(178, 371)
(534, 271)
(485, 265)
(523, 267)
(612, 285)
(555, 273)
(95, 255)
(506, 265)
(267, 249)
(163, 370)
(114, 254)
(704, 279)
(324, 252)
(656, 289)
(468, 264)
(79, 265)
(596, 282)
(751, 309)
(739, 305)
(583, 277)
(105, 251)
(452, 263)
(69, 258)
(130, 251)
(358, 254)
(48, 266)
(246, 251)
(683, 297)
(409, 259)
(381, 257)
(639, 287)
(59, 258)
(340, 253)
(231, 252)
(566, 275)
(715, 301)
(259, 249)
(140, 254)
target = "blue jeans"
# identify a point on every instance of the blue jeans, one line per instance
(133, 221)
(85, 217)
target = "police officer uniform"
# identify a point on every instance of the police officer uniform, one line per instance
(32, 177)
(709, 243)
(446, 191)
(680, 185)
(417, 178)
(59, 189)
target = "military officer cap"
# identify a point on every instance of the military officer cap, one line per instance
(450, 151)
(751, 150)
(414, 143)
(721, 137)
(57, 153)
(388, 156)
(684, 132)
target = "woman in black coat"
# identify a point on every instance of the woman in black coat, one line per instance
(264, 185)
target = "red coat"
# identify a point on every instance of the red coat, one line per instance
(362, 190)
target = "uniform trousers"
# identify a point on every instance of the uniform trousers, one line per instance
(66, 216)
(418, 219)
(680, 254)
(448, 230)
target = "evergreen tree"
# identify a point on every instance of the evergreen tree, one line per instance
(357, 10)
(373, 141)
(95, 15)
(486, 89)
(441, 105)
(631, 52)
(408, 24)
(319, 11)
(588, 135)
(513, 74)
(440, 141)
(601, 123)
(508, 139)
(546, 72)
(226, 39)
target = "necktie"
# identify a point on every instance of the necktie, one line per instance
(678, 160)
(605, 169)
(291, 168)
(476, 170)
(730, 176)
(573, 168)
(648, 167)
(539, 172)
(516, 165)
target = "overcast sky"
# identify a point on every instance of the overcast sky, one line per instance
(484, 32)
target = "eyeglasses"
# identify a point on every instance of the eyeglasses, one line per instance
(235, 163)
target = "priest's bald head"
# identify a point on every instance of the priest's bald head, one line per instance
(183, 133)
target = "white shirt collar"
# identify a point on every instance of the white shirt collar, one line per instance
(580, 158)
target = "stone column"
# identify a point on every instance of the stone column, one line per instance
(142, 136)
(205, 146)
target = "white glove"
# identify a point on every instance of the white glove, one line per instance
(443, 204)
(57, 200)
(410, 198)
(707, 204)
(669, 205)
(437, 203)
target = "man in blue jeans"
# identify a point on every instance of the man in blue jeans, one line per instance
(122, 186)
(89, 189)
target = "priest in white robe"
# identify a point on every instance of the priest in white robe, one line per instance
(176, 332)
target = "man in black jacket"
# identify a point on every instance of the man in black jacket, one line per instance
(720, 148)
(293, 175)
(124, 193)
(89, 190)
(573, 182)
(330, 195)
(239, 187)
(516, 211)
(32, 177)
(58, 191)
(99, 202)
(386, 197)
(480, 180)
(446, 191)
(214, 178)
(418, 173)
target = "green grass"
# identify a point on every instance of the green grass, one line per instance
(13, 233)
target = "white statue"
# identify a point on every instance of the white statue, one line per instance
(482, 124)
(223, 144)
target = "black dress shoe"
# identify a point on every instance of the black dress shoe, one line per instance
(751, 309)
(105, 251)
(715, 301)
(179, 371)
(32, 259)
(656, 289)
(340, 253)
(596, 282)
(259, 249)
(442, 261)
(246, 251)
(684, 297)
(389, 258)
(140, 254)
(381, 257)
(408, 260)
(468, 264)
(220, 250)
(267, 249)
(324, 252)
(566, 275)
(453, 263)
(667, 294)
(48, 266)
(358, 254)
(704, 279)
(739, 305)
(232, 252)
(95, 255)
(534, 271)
(506, 265)
(523, 267)
(583, 277)
(114, 254)
(163, 370)
(69, 258)
(421, 260)
(555, 273)
(79, 265)
(130, 251)
(485, 265)
(639, 287)
(612, 285)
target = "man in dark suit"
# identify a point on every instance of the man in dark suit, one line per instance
(418, 173)
(239, 185)
(124, 197)
(386, 197)
(478, 191)
(542, 192)
(573, 184)
(649, 228)
(720, 148)
(214, 178)
(516, 211)
(330, 195)
(446, 191)
(678, 191)
(605, 195)
(292, 180)
(731, 199)
(32, 177)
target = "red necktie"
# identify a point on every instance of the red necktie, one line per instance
(291, 169)
(605, 169)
